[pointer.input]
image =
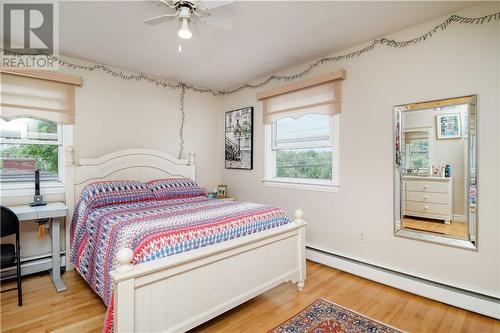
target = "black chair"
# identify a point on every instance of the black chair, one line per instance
(10, 253)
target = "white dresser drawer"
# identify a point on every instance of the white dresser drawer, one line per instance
(427, 208)
(422, 186)
(432, 197)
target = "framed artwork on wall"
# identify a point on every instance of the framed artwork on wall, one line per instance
(238, 127)
(449, 126)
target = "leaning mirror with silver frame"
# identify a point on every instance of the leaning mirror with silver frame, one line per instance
(435, 155)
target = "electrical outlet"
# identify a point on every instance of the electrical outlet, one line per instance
(361, 237)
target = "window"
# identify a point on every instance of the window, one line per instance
(303, 147)
(28, 144)
(418, 155)
(417, 150)
(37, 118)
(302, 151)
(301, 121)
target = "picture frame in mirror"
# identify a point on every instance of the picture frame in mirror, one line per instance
(449, 126)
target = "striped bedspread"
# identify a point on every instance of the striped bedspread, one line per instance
(155, 229)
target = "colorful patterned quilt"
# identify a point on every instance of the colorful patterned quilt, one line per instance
(156, 229)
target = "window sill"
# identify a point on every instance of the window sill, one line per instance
(21, 189)
(320, 186)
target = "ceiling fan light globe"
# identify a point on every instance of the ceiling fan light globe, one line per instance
(184, 31)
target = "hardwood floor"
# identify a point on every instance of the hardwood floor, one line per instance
(80, 310)
(455, 229)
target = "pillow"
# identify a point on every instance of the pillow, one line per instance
(115, 192)
(174, 188)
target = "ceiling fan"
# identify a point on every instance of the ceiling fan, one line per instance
(188, 13)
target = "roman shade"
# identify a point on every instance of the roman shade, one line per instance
(43, 97)
(415, 136)
(320, 95)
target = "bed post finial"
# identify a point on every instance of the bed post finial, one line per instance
(191, 159)
(298, 216)
(124, 257)
(299, 213)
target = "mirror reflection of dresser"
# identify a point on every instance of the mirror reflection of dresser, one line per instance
(428, 197)
(435, 171)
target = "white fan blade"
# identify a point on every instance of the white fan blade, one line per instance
(163, 3)
(160, 19)
(219, 21)
(211, 4)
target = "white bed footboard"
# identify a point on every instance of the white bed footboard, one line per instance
(177, 293)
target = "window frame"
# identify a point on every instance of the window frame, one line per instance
(413, 153)
(430, 140)
(322, 185)
(24, 188)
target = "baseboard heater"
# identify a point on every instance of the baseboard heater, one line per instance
(32, 264)
(468, 300)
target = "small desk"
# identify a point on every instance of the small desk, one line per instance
(54, 211)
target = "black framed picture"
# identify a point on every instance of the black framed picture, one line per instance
(239, 139)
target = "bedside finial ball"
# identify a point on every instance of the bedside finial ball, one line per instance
(192, 157)
(298, 216)
(124, 256)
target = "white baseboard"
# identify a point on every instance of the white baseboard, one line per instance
(458, 218)
(485, 305)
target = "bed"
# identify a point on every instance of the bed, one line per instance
(168, 264)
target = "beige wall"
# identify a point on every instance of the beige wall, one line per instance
(113, 114)
(463, 60)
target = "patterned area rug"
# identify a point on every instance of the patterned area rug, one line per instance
(326, 317)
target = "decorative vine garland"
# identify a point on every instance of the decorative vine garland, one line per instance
(183, 120)
(329, 59)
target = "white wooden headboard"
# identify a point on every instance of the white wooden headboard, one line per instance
(131, 164)
(127, 164)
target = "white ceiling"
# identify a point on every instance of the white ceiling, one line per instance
(266, 36)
